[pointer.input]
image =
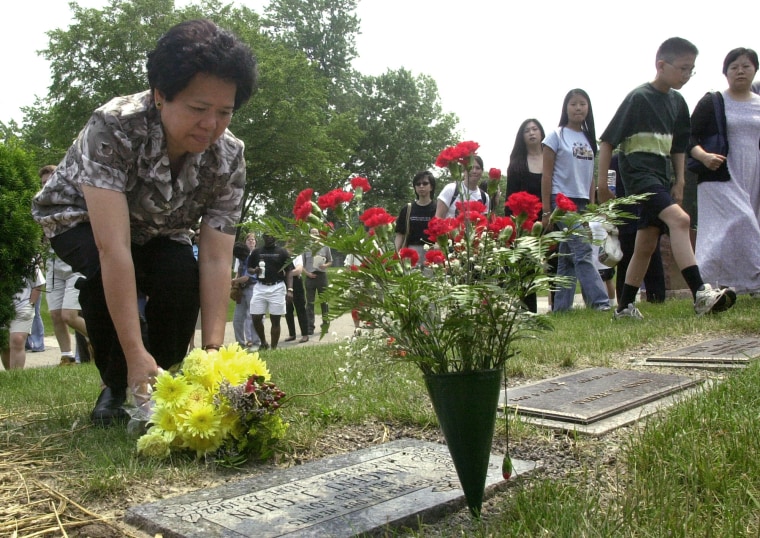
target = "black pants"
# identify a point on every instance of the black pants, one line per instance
(165, 270)
(299, 305)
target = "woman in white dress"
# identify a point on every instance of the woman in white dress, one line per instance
(728, 192)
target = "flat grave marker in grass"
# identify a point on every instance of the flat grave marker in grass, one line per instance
(389, 485)
(718, 353)
(594, 400)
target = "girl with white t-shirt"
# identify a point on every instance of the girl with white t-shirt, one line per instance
(569, 154)
(449, 196)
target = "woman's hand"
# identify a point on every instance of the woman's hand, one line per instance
(141, 369)
(713, 161)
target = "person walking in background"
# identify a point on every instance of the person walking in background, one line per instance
(526, 165)
(297, 305)
(414, 217)
(650, 125)
(14, 356)
(242, 323)
(728, 186)
(315, 266)
(61, 294)
(568, 160)
(654, 279)
(120, 207)
(274, 270)
(446, 204)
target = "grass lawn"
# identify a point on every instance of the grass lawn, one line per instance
(689, 471)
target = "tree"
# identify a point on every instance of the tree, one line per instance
(19, 233)
(100, 56)
(404, 128)
(325, 30)
(289, 138)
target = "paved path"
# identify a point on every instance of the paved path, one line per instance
(340, 329)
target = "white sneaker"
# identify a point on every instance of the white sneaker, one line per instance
(710, 300)
(629, 311)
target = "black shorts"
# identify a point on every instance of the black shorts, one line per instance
(607, 274)
(651, 208)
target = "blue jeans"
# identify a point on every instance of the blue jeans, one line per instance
(576, 261)
(241, 320)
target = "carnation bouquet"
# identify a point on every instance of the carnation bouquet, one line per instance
(219, 404)
(464, 310)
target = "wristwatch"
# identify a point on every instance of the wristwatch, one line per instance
(290, 289)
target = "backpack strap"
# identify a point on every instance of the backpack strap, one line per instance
(482, 197)
(408, 218)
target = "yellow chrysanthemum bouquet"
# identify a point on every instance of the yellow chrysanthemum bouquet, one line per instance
(220, 404)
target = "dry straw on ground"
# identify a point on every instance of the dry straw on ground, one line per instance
(30, 505)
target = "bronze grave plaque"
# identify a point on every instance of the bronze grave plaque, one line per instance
(718, 351)
(594, 394)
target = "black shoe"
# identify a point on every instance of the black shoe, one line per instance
(108, 409)
(290, 339)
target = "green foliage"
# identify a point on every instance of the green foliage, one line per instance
(325, 30)
(99, 56)
(403, 129)
(287, 128)
(19, 234)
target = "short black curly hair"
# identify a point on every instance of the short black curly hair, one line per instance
(200, 46)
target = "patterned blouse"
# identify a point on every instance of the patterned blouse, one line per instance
(123, 148)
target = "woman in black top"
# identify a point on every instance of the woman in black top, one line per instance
(410, 229)
(524, 175)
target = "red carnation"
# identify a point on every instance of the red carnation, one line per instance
(359, 182)
(303, 211)
(565, 204)
(409, 254)
(376, 216)
(460, 153)
(335, 197)
(471, 206)
(434, 257)
(476, 218)
(303, 196)
(524, 203)
(494, 174)
(438, 227)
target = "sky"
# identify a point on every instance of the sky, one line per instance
(495, 62)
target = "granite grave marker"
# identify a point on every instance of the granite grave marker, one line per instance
(721, 352)
(584, 398)
(361, 492)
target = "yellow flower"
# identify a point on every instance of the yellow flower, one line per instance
(200, 367)
(237, 367)
(200, 420)
(165, 419)
(202, 445)
(170, 391)
(154, 444)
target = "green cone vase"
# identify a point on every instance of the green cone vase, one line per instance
(465, 404)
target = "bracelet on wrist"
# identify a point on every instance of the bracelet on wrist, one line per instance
(208, 347)
(546, 213)
(290, 289)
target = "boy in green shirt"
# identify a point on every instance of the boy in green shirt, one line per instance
(650, 126)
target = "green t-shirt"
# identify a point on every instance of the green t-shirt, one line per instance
(648, 126)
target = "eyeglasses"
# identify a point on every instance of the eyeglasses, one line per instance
(688, 71)
(421, 184)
